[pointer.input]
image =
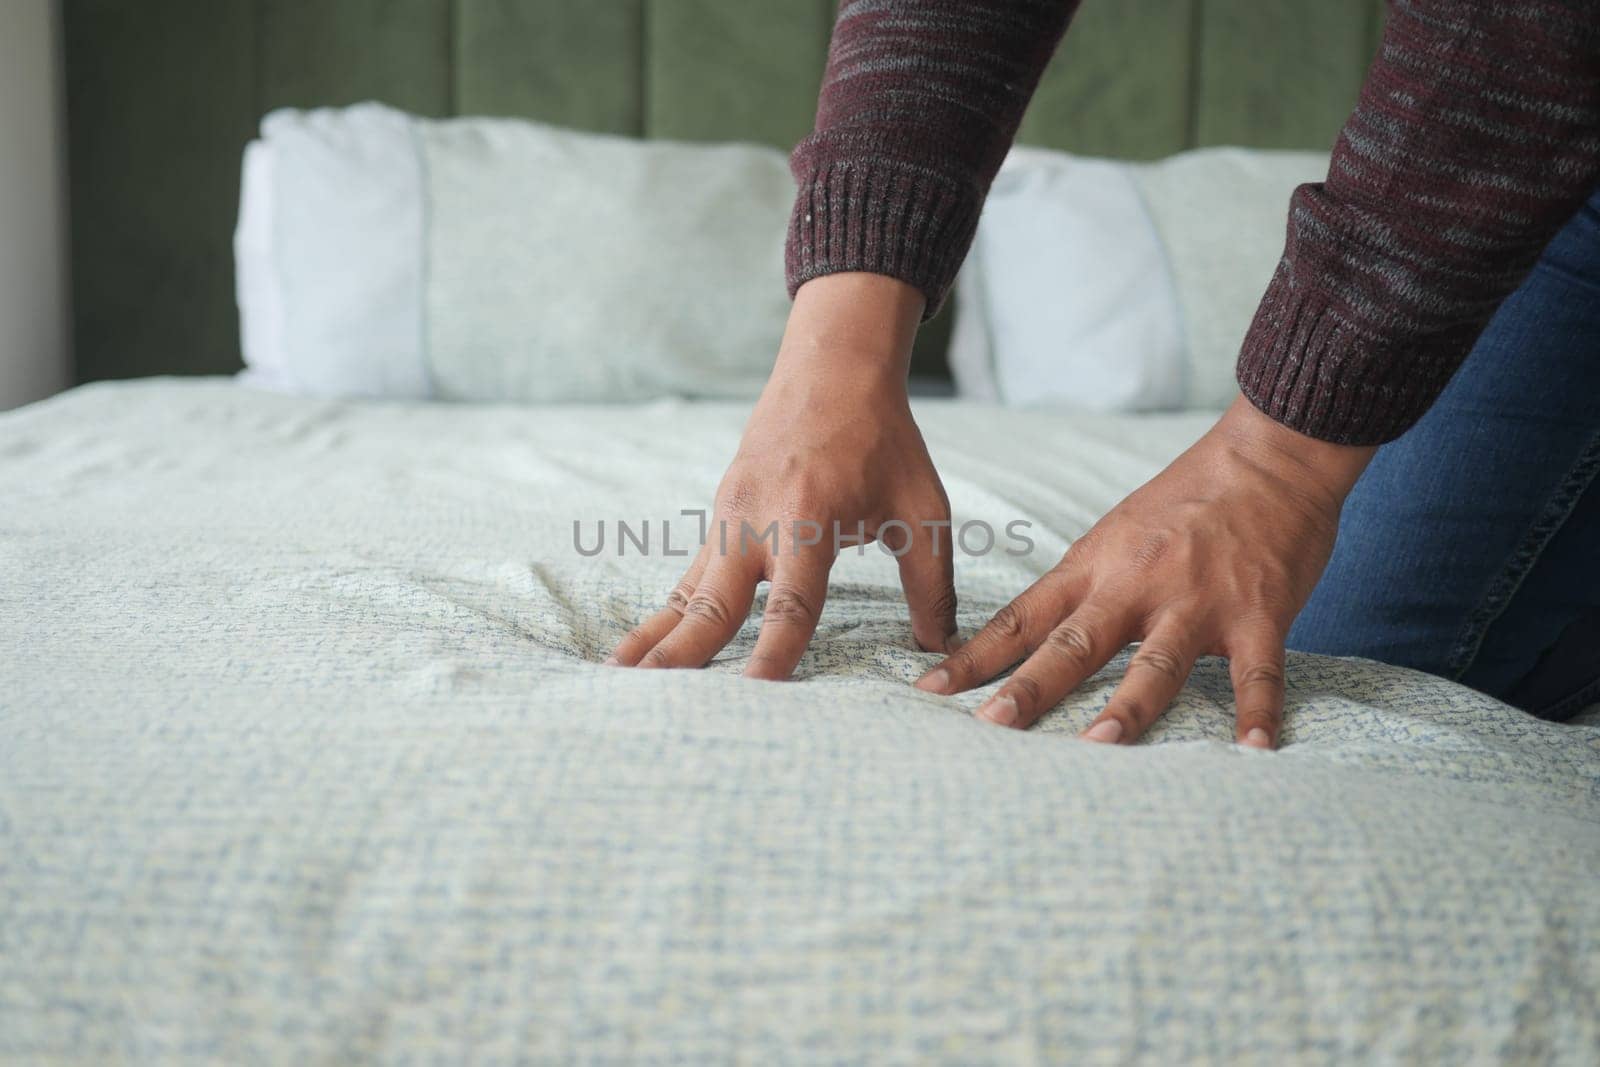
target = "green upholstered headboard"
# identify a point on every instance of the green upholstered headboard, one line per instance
(163, 94)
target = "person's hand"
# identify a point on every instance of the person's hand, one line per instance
(1216, 555)
(831, 441)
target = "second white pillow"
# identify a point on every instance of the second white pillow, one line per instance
(1097, 285)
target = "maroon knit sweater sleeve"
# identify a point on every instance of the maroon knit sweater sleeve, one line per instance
(920, 101)
(1476, 137)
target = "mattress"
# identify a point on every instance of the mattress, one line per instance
(306, 755)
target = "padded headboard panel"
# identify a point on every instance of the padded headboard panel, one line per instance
(163, 95)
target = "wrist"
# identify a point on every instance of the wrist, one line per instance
(852, 326)
(1327, 471)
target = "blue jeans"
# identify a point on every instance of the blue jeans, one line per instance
(1470, 548)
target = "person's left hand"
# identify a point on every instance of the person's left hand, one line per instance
(1216, 555)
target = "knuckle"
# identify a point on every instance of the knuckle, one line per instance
(1270, 617)
(1265, 674)
(656, 657)
(1266, 602)
(1186, 613)
(788, 605)
(709, 607)
(1010, 623)
(1082, 551)
(943, 603)
(805, 503)
(1071, 642)
(678, 599)
(1160, 661)
(738, 498)
(931, 507)
(1152, 550)
(803, 494)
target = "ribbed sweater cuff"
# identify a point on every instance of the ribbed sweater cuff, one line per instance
(1309, 368)
(881, 217)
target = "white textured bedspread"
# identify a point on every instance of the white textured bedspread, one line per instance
(305, 757)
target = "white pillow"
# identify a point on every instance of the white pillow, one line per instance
(1064, 299)
(381, 254)
(344, 253)
(1104, 286)
(256, 277)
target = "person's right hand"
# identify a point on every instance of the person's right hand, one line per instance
(831, 441)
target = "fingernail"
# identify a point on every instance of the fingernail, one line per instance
(1258, 738)
(1002, 711)
(935, 681)
(1106, 731)
(610, 661)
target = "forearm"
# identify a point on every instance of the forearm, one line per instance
(919, 103)
(1476, 137)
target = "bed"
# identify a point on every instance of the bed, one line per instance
(306, 749)
(308, 756)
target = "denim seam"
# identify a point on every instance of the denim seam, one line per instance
(1498, 597)
(1572, 703)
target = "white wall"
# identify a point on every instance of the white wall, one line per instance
(35, 358)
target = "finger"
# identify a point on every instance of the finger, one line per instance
(1155, 676)
(927, 573)
(642, 638)
(1016, 630)
(1069, 653)
(1255, 663)
(794, 605)
(719, 606)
